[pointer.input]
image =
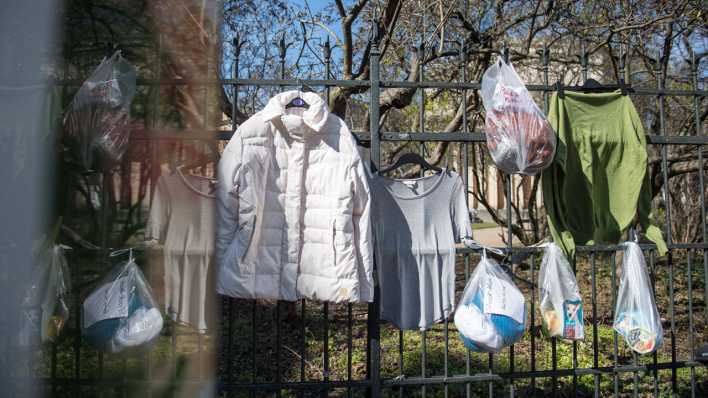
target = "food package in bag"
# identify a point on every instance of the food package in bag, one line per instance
(519, 137)
(491, 314)
(561, 304)
(121, 313)
(636, 316)
(96, 121)
(55, 300)
(45, 302)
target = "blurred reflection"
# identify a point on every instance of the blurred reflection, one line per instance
(67, 202)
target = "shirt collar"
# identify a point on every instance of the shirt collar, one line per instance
(315, 116)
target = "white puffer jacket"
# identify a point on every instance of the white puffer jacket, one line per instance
(293, 207)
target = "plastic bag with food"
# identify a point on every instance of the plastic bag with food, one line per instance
(491, 314)
(57, 285)
(45, 301)
(96, 121)
(519, 137)
(561, 304)
(121, 312)
(636, 316)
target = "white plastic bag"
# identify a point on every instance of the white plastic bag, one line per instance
(492, 311)
(519, 138)
(121, 312)
(561, 304)
(96, 121)
(636, 316)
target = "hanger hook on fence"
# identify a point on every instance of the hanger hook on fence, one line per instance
(119, 252)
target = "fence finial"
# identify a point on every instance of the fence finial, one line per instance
(237, 43)
(327, 49)
(282, 46)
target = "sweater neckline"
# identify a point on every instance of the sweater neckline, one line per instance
(191, 187)
(387, 182)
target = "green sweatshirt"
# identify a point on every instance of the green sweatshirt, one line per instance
(598, 180)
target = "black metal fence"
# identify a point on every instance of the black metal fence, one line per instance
(311, 348)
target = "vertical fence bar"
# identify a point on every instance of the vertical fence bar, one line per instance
(466, 180)
(701, 171)
(349, 349)
(655, 355)
(155, 119)
(667, 207)
(691, 342)
(546, 61)
(77, 324)
(421, 108)
(303, 347)
(325, 348)
(595, 337)
(400, 361)
(373, 334)
(153, 146)
(283, 47)
(615, 347)
(509, 236)
(533, 322)
(325, 307)
(554, 359)
(230, 302)
(205, 132)
(635, 357)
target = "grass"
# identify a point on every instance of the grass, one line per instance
(484, 225)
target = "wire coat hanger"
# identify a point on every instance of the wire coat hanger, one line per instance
(410, 158)
(298, 102)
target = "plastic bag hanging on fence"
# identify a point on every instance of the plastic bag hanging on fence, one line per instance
(519, 138)
(492, 311)
(45, 305)
(636, 316)
(96, 122)
(121, 312)
(561, 304)
(57, 286)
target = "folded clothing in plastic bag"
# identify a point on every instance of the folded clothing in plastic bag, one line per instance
(519, 138)
(121, 312)
(636, 316)
(561, 304)
(492, 312)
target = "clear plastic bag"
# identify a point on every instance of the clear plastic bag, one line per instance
(121, 312)
(636, 316)
(57, 286)
(46, 300)
(561, 303)
(96, 122)
(519, 138)
(491, 314)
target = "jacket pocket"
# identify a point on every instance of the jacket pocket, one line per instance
(245, 238)
(342, 241)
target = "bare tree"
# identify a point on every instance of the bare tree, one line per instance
(202, 40)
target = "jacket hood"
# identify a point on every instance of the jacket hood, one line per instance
(315, 116)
